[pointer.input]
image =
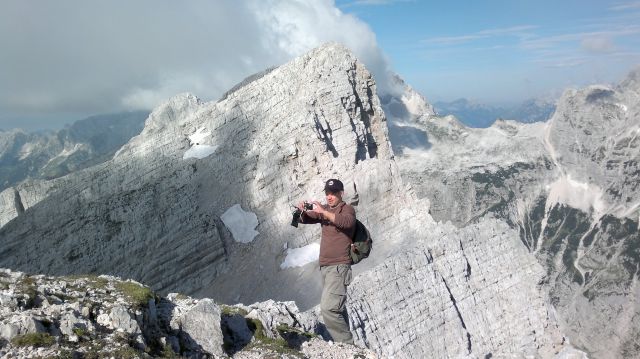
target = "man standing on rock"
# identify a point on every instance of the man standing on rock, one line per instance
(338, 221)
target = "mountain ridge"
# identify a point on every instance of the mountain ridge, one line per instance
(570, 189)
(277, 137)
(480, 115)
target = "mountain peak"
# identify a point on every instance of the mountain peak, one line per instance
(632, 81)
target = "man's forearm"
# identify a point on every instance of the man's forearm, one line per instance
(309, 217)
(331, 217)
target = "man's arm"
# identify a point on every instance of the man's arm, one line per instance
(345, 219)
(308, 217)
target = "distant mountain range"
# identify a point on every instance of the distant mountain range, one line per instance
(48, 154)
(480, 115)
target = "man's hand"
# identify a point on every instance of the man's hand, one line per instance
(301, 206)
(317, 207)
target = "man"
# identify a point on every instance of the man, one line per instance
(338, 221)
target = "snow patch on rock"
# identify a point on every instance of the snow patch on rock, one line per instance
(298, 257)
(199, 151)
(199, 136)
(584, 196)
(240, 223)
(571, 353)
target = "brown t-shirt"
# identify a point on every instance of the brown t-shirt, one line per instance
(336, 237)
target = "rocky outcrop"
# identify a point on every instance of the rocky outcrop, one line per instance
(451, 299)
(570, 187)
(589, 230)
(102, 316)
(468, 174)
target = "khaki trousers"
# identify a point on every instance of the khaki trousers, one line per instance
(333, 304)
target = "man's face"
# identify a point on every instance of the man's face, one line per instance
(333, 198)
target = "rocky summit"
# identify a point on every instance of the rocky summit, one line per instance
(469, 259)
(106, 317)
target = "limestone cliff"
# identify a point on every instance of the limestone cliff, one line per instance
(156, 213)
(569, 186)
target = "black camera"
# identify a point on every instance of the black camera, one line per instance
(297, 213)
(296, 217)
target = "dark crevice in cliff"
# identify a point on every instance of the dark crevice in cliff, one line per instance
(467, 270)
(17, 200)
(455, 306)
(325, 135)
(367, 141)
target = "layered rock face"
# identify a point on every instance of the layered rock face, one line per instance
(155, 213)
(472, 294)
(569, 187)
(31, 161)
(589, 235)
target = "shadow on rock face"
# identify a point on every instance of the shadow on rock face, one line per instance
(599, 95)
(407, 137)
(394, 108)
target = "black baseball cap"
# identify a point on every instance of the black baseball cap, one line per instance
(333, 185)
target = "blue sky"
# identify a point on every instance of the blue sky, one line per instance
(503, 51)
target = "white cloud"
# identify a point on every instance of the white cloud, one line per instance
(375, 2)
(70, 55)
(546, 42)
(626, 6)
(598, 44)
(520, 30)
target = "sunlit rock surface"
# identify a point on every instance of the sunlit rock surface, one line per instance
(154, 215)
(569, 186)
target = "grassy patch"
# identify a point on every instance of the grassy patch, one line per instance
(28, 281)
(230, 311)
(33, 340)
(92, 280)
(168, 353)
(125, 353)
(137, 294)
(79, 332)
(278, 345)
(284, 329)
(181, 296)
(27, 286)
(62, 354)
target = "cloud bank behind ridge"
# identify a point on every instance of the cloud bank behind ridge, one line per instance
(71, 57)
